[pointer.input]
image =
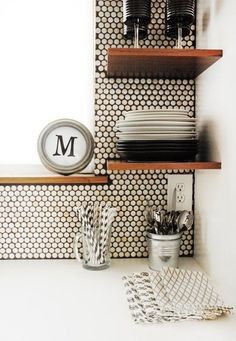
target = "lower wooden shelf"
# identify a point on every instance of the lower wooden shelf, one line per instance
(37, 174)
(125, 165)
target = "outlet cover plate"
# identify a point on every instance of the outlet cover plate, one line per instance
(180, 186)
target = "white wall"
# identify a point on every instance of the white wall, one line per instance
(46, 71)
(215, 191)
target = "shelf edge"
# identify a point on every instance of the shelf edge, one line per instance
(53, 180)
(124, 165)
(164, 52)
(160, 62)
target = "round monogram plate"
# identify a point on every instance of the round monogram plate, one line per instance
(65, 146)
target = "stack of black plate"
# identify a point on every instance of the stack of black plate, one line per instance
(136, 12)
(179, 14)
(157, 135)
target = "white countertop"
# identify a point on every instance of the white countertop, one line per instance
(60, 301)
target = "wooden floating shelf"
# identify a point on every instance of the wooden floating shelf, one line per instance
(159, 63)
(126, 165)
(36, 174)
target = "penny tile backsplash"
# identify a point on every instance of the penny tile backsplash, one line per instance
(39, 221)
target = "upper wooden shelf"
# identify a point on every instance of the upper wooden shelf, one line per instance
(37, 174)
(125, 165)
(159, 63)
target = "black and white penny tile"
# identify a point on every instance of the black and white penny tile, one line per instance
(39, 221)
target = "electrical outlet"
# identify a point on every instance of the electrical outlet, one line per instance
(180, 192)
(180, 198)
(180, 187)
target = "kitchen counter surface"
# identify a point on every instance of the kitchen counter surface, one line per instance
(58, 300)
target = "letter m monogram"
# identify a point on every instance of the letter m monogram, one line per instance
(62, 148)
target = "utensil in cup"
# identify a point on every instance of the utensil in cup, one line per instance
(184, 221)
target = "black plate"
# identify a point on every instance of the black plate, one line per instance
(157, 141)
(157, 147)
(147, 150)
(158, 144)
(157, 156)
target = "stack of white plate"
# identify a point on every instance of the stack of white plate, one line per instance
(157, 135)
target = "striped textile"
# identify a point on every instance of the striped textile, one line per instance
(172, 295)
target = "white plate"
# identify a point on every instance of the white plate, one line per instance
(159, 111)
(155, 123)
(148, 133)
(154, 117)
(168, 132)
(155, 138)
(149, 136)
(157, 118)
(173, 113)
(157, 129)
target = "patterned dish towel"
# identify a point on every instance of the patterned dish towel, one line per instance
(172, 295)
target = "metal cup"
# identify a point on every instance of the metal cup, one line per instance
(163, 250)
